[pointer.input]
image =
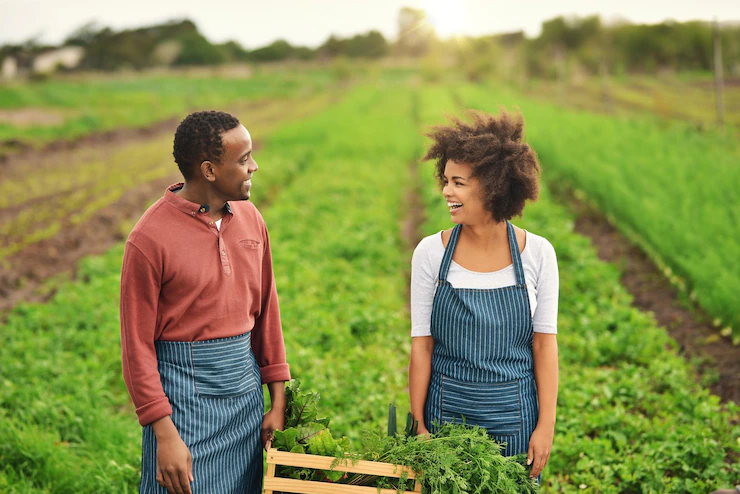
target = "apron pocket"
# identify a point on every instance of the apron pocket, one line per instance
(224, 368)
(494, 406)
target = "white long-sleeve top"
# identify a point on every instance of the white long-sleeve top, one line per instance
(540, 273)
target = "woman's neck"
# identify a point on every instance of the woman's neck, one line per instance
(485, 235)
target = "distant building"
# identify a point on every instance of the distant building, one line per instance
(9, 69)
(68, 57)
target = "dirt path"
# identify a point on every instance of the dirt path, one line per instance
(691, 328)
(29, 275)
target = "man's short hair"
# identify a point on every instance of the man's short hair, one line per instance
(198, 138)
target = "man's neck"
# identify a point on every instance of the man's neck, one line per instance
(203, 195)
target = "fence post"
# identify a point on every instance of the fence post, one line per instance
(718, 97)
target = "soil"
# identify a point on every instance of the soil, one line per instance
(14, 150)
(691, 327)
(26, 117)
(25, 275)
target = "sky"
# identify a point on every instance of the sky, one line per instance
(310, 22)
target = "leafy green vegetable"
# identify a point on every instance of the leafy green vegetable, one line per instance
(458, 459)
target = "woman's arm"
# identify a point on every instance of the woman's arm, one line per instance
(545, 351)
(420, 371)
(423, 285)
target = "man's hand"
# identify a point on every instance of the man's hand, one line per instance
(174, 461)
(274, 421)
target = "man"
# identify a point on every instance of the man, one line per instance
(200, 324)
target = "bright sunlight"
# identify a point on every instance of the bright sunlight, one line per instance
(447, 16)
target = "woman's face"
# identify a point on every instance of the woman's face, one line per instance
(463, 195)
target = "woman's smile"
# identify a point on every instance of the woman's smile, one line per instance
(454, 206)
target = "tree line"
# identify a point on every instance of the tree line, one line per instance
(587, 43)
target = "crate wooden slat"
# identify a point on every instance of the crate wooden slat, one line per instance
(295, 486)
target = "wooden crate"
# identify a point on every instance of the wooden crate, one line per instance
(295, 486)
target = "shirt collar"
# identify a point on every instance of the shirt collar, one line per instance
(186, 206)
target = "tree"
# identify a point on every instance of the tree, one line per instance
(369, 45)
(414, 32)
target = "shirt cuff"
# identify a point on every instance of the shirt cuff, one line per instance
(545, 328)
(153, 411)
(275, 372)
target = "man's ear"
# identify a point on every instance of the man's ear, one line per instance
(206, 168)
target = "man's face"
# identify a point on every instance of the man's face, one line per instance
(234, 173)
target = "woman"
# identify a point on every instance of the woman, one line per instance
(484, 295)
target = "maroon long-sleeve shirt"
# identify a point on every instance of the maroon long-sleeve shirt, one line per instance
(183, 279)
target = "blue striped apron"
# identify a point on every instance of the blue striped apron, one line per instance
(215, 390)
(482, 364)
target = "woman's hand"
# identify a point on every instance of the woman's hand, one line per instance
(274, 421)
(540, 445)
(174, 461)
(422, 430)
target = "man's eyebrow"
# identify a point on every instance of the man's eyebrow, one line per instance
(458, 177)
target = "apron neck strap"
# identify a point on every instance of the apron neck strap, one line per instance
(516, 257)
(449, 252)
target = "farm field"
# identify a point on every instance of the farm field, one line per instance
(33, 115)
(688, 98)
(668, 188)
(335, 188)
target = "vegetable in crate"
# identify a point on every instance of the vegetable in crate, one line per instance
(457, 459)
(306, 433)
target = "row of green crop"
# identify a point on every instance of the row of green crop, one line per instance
(671, 189)
(631, 416)
(340, 264)
(95, 104)
(689, 99)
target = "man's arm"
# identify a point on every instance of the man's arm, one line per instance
(267, 334)
(140, 287)
(268, 345)
(274, 420)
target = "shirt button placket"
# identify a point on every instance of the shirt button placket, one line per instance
(224, 258)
